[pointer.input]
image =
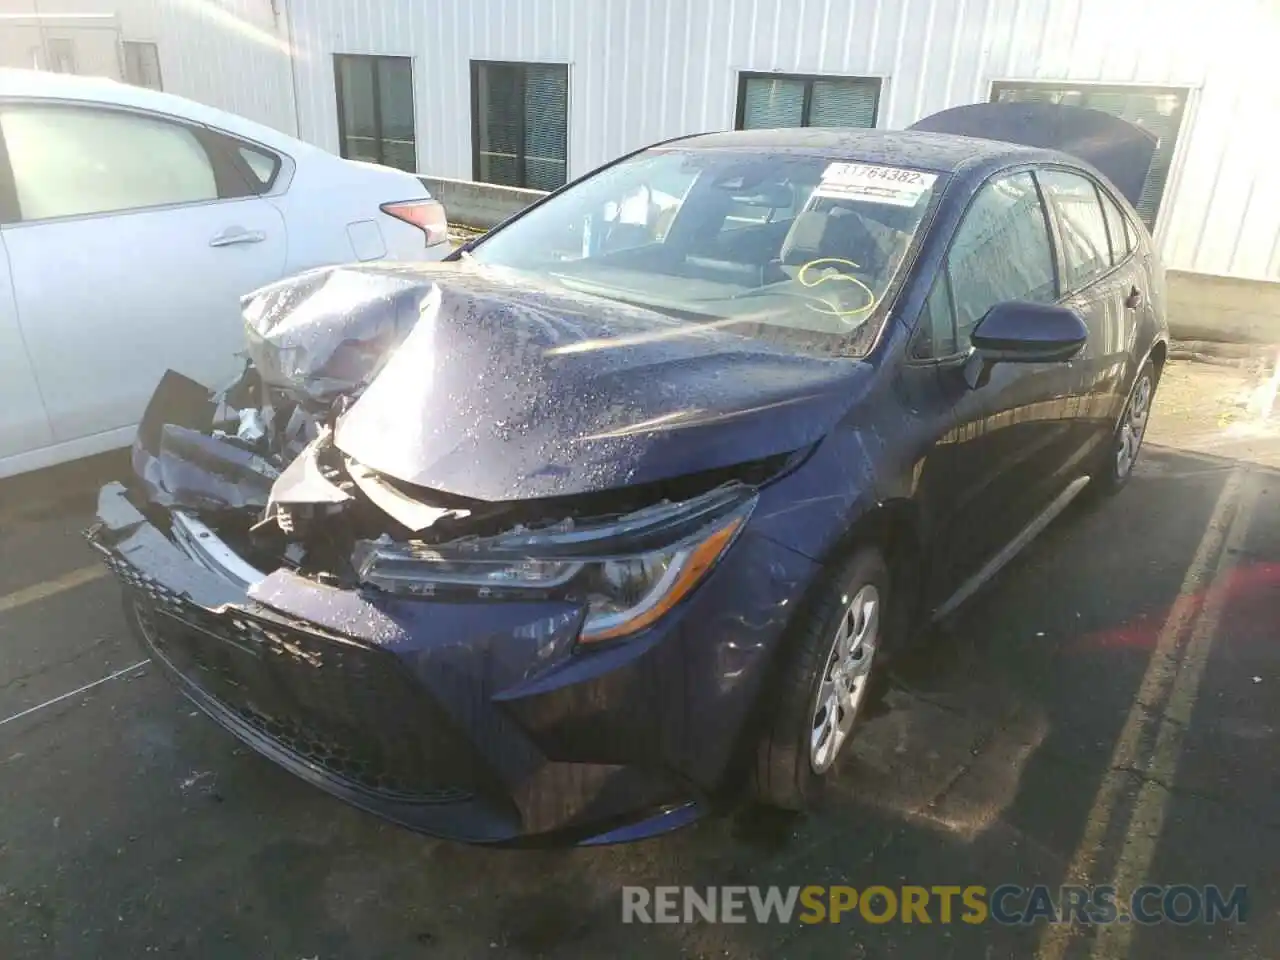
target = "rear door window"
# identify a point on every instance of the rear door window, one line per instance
(1121, 242)
(1082, 226)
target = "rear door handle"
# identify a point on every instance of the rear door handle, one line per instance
(237, 235)
(1134, 299)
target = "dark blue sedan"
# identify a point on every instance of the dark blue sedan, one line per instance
(615, 516)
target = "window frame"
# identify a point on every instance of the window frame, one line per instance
(232, 145)
(942, 272)
(808, 79)
(522, 150)
(229, 176)
(1182, 91)
(64, 46)
(1100, 191)
(1065, 292)
(379, 137)
(1109, 203)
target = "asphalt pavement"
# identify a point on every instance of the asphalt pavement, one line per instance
(1106, 711)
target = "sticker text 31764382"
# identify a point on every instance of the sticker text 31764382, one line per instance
(862, 181)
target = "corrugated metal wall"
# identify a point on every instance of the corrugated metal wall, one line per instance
(231, 54)
(644, 70)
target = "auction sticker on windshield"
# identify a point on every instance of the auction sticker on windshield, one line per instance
(863, 181)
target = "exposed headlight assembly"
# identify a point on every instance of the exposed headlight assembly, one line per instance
(629, 571)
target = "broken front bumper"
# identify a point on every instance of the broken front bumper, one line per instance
(476, 721)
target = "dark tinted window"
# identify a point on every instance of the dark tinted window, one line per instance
(141, 64)
(520, 123)
(1081, 226)
(936, 335)
(1000, 252)
(1121, 243)
(375, 110)
(767, 101)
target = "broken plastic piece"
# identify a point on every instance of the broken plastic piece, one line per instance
(303, 488)
(405, 510)
(203, 473)
(204, 546)
(253, 427)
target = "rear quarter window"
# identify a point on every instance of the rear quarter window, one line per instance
(255, 166)
(262, 165)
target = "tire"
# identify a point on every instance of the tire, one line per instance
(791, 762)
(1121, 456)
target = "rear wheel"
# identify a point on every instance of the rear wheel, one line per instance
(824, 687)
(1121, 457)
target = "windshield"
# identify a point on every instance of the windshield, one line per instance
(798, 250)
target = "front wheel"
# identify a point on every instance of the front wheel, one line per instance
(825, 682)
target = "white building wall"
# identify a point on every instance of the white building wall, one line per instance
(644, 70)
(231, 54)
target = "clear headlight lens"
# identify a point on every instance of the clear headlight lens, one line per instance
(624, 590)
(629, 594)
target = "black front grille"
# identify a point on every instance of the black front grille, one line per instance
(348, 709)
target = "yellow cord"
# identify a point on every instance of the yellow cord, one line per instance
(806, 281)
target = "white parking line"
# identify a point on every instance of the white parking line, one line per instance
(40, 591)
(1147, 820)
(1170, 673)
(72, 693)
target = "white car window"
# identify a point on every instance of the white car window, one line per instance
(69, 161)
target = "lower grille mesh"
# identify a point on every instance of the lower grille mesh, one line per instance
(344, 708)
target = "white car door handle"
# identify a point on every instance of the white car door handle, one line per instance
(237, 235)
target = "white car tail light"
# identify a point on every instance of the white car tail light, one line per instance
(427, 215)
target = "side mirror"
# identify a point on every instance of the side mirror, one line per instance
(1017, 332)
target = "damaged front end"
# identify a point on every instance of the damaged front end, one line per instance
(451, 663)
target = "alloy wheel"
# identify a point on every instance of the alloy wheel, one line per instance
(845, 678)
(1133, 426)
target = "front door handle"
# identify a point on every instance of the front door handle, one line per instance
(1134, 300)
(237, 235)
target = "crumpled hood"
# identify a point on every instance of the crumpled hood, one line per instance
(503, 390)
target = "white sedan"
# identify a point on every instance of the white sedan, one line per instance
(131, 224)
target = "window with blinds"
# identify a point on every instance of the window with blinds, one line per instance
(375, 110)
(142, 64)
(520, 123)
(768, 100)
(1158, 109)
